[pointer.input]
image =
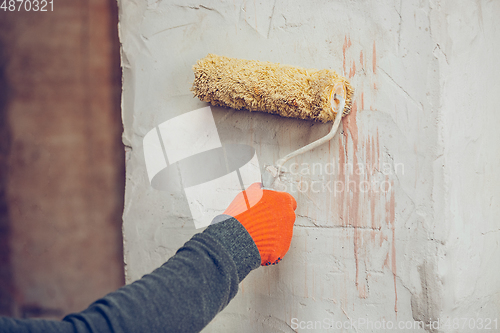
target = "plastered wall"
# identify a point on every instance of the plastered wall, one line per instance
(397, 215)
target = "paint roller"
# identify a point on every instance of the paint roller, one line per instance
(287, 91)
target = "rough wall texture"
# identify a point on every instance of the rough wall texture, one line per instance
(396, 215)
(64, 181)
(470, 156)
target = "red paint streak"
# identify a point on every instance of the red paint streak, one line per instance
(373, 201)
(376, 161)
(352, 71)
(350, 124)
(329, 203)
(386, 261)
(382, 239)
(374, 58)
(390, 209)
(350, 203)
(362, 100)
(361, 59)
(341, 179)
(375, 86)
(372, 194)
(369, 159)
(347, 44)
(362, 292)
(375, 158)
(344, 48)
(378, 149)
(346, 137)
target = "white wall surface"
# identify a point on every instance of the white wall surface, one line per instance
(416, 236)
(470, 140)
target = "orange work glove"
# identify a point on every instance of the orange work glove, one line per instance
(268, 216)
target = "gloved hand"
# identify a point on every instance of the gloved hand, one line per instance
(268, 216)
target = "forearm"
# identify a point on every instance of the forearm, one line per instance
(183, 295)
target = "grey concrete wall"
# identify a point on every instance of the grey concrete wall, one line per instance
(396, 215)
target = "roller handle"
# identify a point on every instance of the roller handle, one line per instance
(275, 170)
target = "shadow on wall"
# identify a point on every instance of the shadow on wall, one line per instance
(61, 159)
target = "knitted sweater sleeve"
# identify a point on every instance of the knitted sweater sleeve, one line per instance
(183, 295)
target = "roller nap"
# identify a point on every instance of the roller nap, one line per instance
(270, 87)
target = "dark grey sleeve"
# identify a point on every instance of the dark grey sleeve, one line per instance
(183, 295)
